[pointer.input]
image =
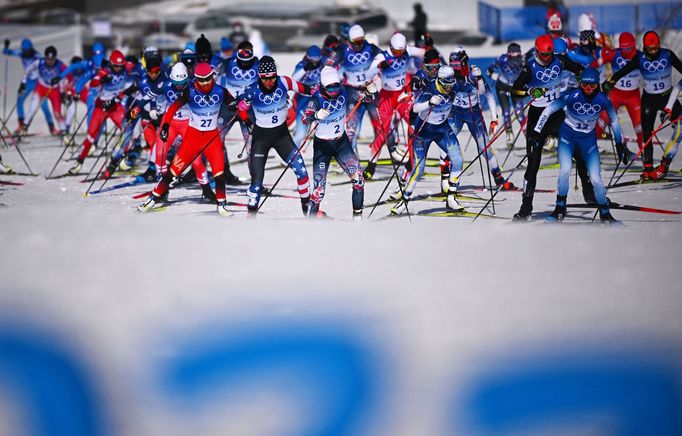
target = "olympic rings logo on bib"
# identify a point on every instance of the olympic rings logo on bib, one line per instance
(399, 64)
(358, 58)
(621, 62)
(548, 74)
(275, 97)
(653, 66)
(240, 74)
(334, 105)
(206, 100)
(171, 95)
(586, 108)
(116, 79)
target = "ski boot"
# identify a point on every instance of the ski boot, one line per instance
(76, 168)
(398, 193)
(606, 218)
(111, 169)
(526, 209)
(5, 169)
(510, 138)
(21, 127)
(502, 184)
(400, 207)
(662, 170)
(149, 175)
(222, 208)
(451, 202)
(647, 173)
(368, 173)
(148, 204)
(208, 194)
(304, 205)
(357, 215)
(231, 179)
(559, 212)
(445, 176)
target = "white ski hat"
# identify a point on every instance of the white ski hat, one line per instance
(356, 32)
(329, 75)
(585, 22)
(398, 41)
(178, 72)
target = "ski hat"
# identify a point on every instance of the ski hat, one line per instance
(651, 39)
(626, 43)
(190, 46)
(267, 67)
(203, 71)
(98, 47)
(153, 64)
(178, 75)
(313, 53)
(398, 42)
(330, 42)
(544, 49)
(588, 37)
(586, 21)
(431, 56)
(514, 49)
(26, 44)
(560, 46)
(76, 59)
(356, 32)
(328, 76)
(590, 76)
(203, 46)
(225, 44)
(459, 54)
(116, 58)
(554, 24)
(51, 52)
(446, 79)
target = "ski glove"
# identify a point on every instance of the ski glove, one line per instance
(106, 79)
(163, 134)
(321, 114)
(22, 88)
(435, 100)
(623, 154)
(418, 83)
(493, 126)
(54, 81)
(371, 87)
(538, 92)
(475, 71)
(307, 115)
(133, 113)
(154, 114)
(109, 103)
(666, 114)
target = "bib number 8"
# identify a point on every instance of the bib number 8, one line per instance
(275, 119)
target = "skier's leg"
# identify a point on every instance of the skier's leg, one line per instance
(322, 155)
(348, 160)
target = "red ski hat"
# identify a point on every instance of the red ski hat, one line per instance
(117, 58)
(203, 71)
(626, 43)
(651, 39)
(544, 49)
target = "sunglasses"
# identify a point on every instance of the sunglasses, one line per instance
(245, 54)
(204, 80)
(589, 86)
(268, 79)
(431, 68)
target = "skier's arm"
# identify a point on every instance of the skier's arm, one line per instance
(422, 103)
(73, 67)
(628, 68)
(674, 93)
(374, 66)
(97, 80)
(299, 72)
(297, 87)
(676, 61)
(613, 116)
(11, 52)
(309, 112)
(607, 56)
(570, 65)
(29, 70)
(555, 106)
(415, 51)
(519, 89)
(580, 58)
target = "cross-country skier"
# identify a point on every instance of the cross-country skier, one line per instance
(504, 72)
(655, 64)
(268, 101)
(328, 107)
(48, 68)
(541, 79)
(577, 136)
(88, 68)
(115, 83)
(306, 72)
(433, 107)
(28, 55)
(358, 55)
(392, 65)
(203, 99)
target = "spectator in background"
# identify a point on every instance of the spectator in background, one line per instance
(418, 22)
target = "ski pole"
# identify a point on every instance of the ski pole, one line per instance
(500, 188)
(119, 143)
(4, 97)
(410, 143)
(514, 142)
(487, 161)
(123, 156)
(641, 149)
(101, 155)
(66, 146)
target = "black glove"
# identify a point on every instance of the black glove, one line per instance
(6, 44)
(22, 88)
(54, 81)
(106, 79)
(623, 153)
(163, 134)
(109, 103)
(607, 86)
(232, 106)
(418, 83)
(133, 113)
(665, 115)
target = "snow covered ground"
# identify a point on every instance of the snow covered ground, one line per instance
(428, 313)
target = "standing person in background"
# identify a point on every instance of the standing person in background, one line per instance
(418, 22)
